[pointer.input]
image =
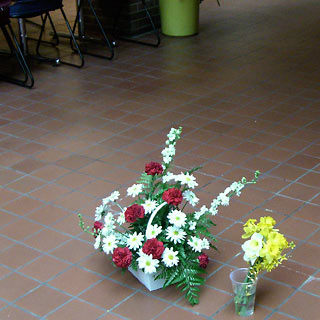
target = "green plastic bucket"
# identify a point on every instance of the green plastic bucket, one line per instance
(179, 17)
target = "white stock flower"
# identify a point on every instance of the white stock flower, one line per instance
(189, 180)
(224, 199)
(153, 231)
(174, 234)
(147, 263)
(97, 242)
(135, 240)
(108, 229)
(170, 258)
(98, 213)
(167, 159)
(200, 213)
(190, 197)
(149, 206)
(213, 211)
(177, 218)
(134, 190)
(252, 247)
(169, 151)
(195, 243)
(109, 244)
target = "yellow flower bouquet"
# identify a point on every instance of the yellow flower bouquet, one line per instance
(263, 251)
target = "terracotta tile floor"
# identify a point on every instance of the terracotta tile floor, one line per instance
(247, 92)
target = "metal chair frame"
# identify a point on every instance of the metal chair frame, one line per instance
(14, 47)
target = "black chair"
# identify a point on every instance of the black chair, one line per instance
(26, 9)
(14, 47)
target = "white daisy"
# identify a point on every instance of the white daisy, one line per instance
(224, 199)
(97, 242)
(113, 197)
(195, 243)
(169, 176)
(200, 213)
(147, 263)
(108, 219)
(149, 206)
(121, 219)
(189, 180)
(109, 244)
(192, 225)
(108, 229)
(134, 190)
(135, 240)
(205, 244)
(190, 197)
(177, 218)
(175, 234)
(98, 213)
(170, 258)
(153, 231)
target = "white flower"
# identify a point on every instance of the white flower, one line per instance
(252, 248)
(205, 244)
(190, 197)
(153, 231)
(149, 206)
(170, 258)
(108, 219)
(189, 180)
(177, 218)
(109, 244)
(113, 196)
(98, 213)
(121, 219)
(135, 240)
(167, 159)
(200, 213)
(195, 243)
(213, 211)
(192, 225)
(134, 190)
(108, 229)
(224, 199)
(97, 242)
(175, 234)
(169, 151)
(147, 263)
(169, 176)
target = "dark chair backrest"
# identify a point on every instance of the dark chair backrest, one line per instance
(4, 12)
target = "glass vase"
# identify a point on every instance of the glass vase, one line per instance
(244, 288)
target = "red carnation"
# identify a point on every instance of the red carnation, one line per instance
(203, 260)
(134, 212)
(153, 168)
(97, 226)
(154, 247)
(172, 196)
(122, 257)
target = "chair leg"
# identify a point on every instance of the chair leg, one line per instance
(154, 29)
(105, 40)
(58, 60)
(28, 81)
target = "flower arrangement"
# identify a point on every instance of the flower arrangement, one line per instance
(155, 234)
(263, 251)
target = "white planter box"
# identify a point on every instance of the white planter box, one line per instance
(147, 279)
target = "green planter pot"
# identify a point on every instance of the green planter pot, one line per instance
(179, 17)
